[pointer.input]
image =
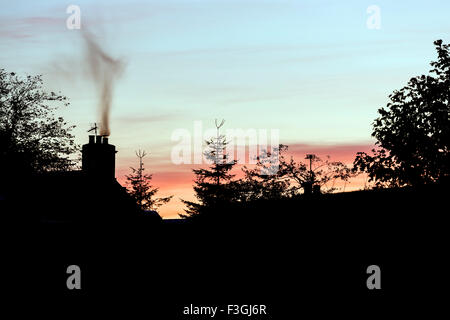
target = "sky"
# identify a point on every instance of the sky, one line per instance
(316, 71)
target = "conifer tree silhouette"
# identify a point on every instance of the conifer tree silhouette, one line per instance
(141, 189)
(213, 186)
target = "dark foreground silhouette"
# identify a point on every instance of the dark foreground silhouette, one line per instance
(293, 255)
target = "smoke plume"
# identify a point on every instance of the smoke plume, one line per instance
(104, 70)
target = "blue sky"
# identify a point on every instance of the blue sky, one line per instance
(309, 68)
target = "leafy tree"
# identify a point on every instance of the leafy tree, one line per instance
(214, 186)
(290, 176)
(141, 189)
(413, 131)
(266, 180)
(32, 139)
(319, 173)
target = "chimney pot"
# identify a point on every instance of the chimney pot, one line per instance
(99, 159)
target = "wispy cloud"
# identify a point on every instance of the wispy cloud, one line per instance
(133, 119)
(29, 27)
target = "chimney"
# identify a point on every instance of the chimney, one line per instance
(99, 159)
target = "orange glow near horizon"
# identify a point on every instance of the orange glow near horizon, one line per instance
(178, 180)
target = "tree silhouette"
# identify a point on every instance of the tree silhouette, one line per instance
(319, 173)
(213, 186)
(264, 180)
(291, 176)
(141, 189)
(32, 139)
(273, 177)
(413, 131)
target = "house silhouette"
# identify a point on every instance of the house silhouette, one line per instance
(90, 195)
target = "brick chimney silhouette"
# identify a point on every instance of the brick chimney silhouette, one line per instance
(99, 158)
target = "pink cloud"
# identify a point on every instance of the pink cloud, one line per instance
(344, 152)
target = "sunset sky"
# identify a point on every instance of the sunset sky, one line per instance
(311, 69)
